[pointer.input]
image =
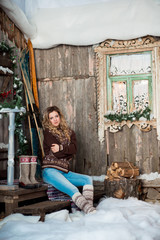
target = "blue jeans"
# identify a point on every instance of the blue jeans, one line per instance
(65, 182)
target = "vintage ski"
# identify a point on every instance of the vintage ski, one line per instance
(24, 61)
(33, 79)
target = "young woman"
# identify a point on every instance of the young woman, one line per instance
(59, 147)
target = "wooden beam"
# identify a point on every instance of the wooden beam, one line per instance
(13, 33)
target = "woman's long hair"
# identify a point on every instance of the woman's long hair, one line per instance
(63, 131)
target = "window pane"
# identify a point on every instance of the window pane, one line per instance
(140, 94)
(119, 96)
(130, 64)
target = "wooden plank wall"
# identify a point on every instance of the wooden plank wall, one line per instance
(66, 78)
(135, 146)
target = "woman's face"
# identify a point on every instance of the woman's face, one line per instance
(54, 118)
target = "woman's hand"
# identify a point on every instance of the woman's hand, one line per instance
(55, 148)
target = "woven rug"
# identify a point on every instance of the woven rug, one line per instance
(56, 195)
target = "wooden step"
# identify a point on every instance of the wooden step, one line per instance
(13, 198)
(98, 194)
(42, 208)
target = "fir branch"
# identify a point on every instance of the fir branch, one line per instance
(133, 116)
(16, 102)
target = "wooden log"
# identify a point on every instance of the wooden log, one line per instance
(119, 193)
(119, 171)
(123, 188)
(151, 183)
(112, 174)
(126, 172)
(129, 172)
(115, 174)
(123, 169)
(153, 194)
(122, 165)
(109, 175)
(113, 167)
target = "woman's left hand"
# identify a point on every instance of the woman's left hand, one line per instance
(55, 148)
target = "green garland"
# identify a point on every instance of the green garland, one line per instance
(16, 102)
(133, 116)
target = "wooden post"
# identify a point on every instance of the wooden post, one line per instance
(11, 202)
(10, 169)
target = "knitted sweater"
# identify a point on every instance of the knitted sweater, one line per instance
(69, 149)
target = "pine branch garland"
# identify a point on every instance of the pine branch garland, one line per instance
(16, 102)
(133, 116)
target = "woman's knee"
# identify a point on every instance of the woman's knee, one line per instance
(79, 179)
(89, 180)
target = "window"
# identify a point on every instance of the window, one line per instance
(128, 79)
(129, 82)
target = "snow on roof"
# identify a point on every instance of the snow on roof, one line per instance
(86, 22)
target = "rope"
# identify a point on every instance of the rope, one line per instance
(130, 167)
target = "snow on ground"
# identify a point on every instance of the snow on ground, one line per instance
(115, 219)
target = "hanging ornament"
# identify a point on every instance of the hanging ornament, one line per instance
(133, 119)
(14, 85)
(119, 128)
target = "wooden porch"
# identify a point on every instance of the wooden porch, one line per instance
(35, 201)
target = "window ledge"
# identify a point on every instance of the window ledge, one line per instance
(145, 126)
